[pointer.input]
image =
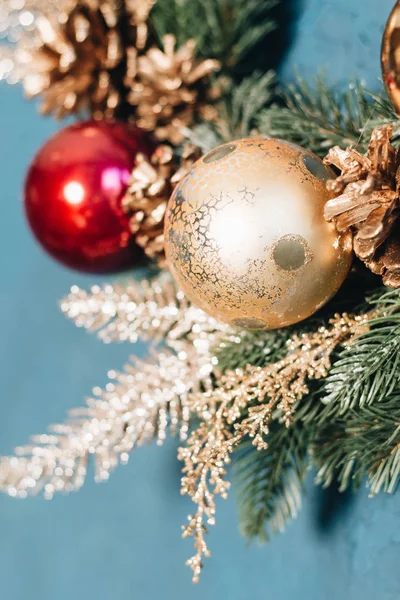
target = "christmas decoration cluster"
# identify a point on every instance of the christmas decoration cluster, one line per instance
(274, 324)
(100, 56)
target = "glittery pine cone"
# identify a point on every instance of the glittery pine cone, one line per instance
(82, 61)
(368, 202)
(171, 88)
(151, 185)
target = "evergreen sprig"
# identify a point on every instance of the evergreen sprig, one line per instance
(256, 348)
(270, 482)
(318, 116)
(363, 443)
(315, 116)
(228, 30)
(238, 111)
(369, 369)
(242, 104)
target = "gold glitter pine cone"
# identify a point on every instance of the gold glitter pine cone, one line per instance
(171, 88)
(82, 59)
(151, 185)
(368, 202)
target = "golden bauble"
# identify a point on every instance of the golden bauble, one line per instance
(390, 57)
(246, 237)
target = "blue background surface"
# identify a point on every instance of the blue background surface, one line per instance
(122, 539)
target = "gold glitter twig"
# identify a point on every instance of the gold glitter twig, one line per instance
(244, 404)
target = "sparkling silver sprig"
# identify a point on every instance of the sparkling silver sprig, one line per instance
(139, 404)
(118, 313)
(150, 311)
(142, 403)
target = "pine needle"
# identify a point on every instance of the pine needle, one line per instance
(269, 482)
(318, 116)
(228, 30)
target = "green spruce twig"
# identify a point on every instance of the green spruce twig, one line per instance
(238, 111)
(241, 105)
(362, 444)
(369, 370)
(318, 116)
(227, 30)
(270, 482)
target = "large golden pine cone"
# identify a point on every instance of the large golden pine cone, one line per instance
(151, 185)
(81, 62)
(368, 203)
(171, 88)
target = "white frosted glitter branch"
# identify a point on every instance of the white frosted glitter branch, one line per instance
(139, 404)
(150, 311)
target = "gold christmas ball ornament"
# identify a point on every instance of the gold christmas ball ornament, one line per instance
(246, 238)
(390, 57)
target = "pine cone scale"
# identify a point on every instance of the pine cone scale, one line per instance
(369, 202)
(151, 185)
(80, 65)
(169, 89)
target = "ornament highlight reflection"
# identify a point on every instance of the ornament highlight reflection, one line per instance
(115, 180)
(74, 193)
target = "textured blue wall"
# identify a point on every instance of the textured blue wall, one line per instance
(122, 539)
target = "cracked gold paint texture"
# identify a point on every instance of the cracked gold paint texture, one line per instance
(246, 237)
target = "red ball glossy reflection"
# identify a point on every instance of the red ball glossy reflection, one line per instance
(73, 195)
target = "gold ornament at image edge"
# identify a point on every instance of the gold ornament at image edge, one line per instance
(246, 238)
(390, 57)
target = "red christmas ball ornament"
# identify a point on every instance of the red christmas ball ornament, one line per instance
(73, 195)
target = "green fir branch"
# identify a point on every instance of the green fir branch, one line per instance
(349, 421)
(368, 370)
(255, 348)
(318, 117)
(363, 443)
(242, 104)
(238, 111)
(270, 482)
(228, 30)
